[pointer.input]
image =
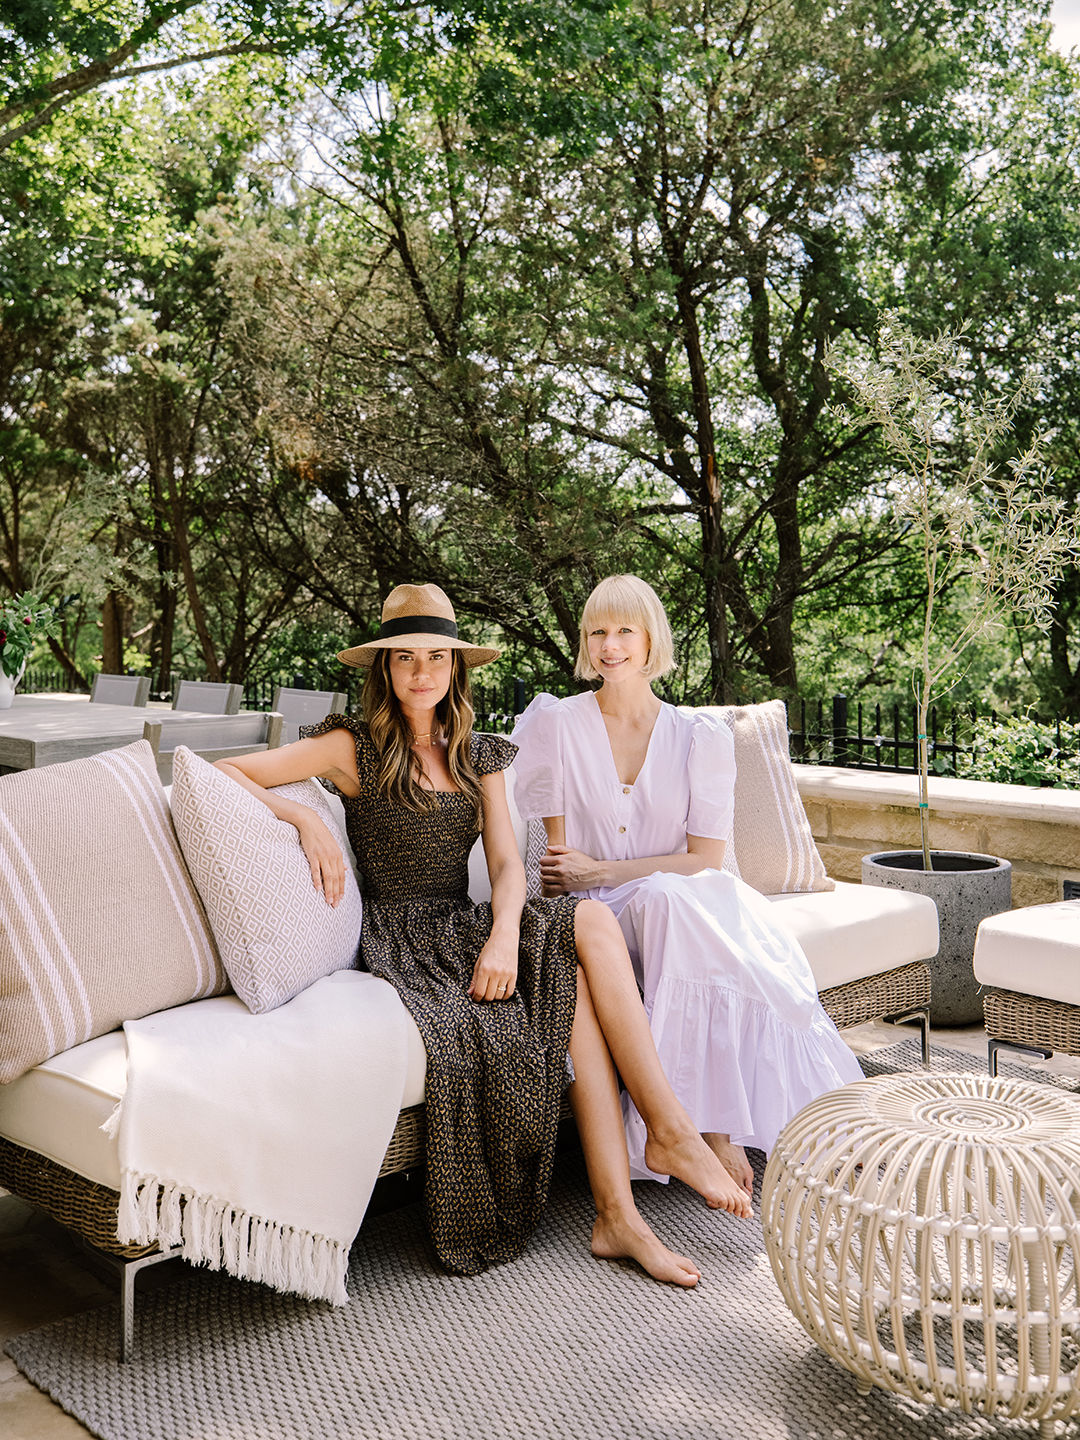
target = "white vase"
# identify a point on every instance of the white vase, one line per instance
(7, 686)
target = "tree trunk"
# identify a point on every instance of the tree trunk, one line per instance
(71, 670)
(721, 690)
(112, 637)
(164, 636)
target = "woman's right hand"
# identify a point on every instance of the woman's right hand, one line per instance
(325, 857)
(564, 871)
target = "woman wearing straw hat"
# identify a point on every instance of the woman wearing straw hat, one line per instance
(501, 992)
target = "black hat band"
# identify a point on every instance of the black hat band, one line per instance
(418, 625)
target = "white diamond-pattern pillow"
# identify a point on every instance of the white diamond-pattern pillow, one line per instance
(275, 932)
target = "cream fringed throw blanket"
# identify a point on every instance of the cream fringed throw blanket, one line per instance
(270, 1129)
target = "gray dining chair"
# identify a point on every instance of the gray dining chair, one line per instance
(244, 734)
(305, 707)
(120, 690)
(210, 696)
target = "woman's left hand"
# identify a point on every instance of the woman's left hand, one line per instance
(495, 972)
(563, 870)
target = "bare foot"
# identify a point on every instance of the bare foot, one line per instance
(690, 1160)
(619, 1237)
(732, 1157)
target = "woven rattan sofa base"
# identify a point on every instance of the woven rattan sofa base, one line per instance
(80, 1204)
(90, 1209)
(1031, 1021)
(896, 992)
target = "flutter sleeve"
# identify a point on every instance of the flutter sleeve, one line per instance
(538, 770)
(334, 722)
(711, 765)
(491, 753)
(364, 747)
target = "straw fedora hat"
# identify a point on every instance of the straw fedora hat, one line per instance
(417, 617)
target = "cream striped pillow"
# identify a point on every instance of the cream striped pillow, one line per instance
(773, 842)
(99, 919)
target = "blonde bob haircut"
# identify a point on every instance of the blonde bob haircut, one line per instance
(628, 600)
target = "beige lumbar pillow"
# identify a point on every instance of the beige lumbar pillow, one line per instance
(276, 933)
(773, 841)
(99, 920)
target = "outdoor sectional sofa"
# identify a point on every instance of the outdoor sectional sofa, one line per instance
(868, 948)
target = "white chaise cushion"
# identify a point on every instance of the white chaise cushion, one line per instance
(276, 933)
(856, 931)
(1034, 951)
(57, 1108)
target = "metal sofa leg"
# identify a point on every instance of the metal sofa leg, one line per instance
(128, 1269)
(915, 1017)
(127, 1283)
(993, 1046)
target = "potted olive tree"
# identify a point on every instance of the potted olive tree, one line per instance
(994, 528)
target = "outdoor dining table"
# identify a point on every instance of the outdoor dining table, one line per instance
(46, 729)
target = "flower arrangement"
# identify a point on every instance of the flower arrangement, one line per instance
(24, 620)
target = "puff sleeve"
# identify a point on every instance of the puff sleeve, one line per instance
(711, 767)
(492, 753)
(538, 771)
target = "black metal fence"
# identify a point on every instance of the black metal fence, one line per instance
(52, 681)
(876, 737)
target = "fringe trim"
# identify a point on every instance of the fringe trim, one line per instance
(111, 1126)
(220, 1237)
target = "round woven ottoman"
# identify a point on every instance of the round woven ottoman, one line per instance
(925, 1230)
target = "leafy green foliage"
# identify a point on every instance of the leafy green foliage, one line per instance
(510, 297)
(1022, 751)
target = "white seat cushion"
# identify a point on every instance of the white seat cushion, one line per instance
(1035, 951)
(856, 931)
(57, 1108)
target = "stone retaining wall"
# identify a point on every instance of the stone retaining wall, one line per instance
(856, 812)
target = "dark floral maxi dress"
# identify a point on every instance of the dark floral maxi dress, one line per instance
(496, 1070)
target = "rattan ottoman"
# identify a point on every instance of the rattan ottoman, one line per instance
(925, 1231)
(1028, 960)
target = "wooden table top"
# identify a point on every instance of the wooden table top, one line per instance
(47, 729)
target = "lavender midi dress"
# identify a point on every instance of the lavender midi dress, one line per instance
(729, 993)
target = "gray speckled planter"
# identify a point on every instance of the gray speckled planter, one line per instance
(966, 889)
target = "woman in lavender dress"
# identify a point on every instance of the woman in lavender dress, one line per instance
(638, 798)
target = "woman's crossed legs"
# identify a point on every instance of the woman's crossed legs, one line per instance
(611, 1031)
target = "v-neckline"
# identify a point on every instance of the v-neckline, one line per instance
(611, 753)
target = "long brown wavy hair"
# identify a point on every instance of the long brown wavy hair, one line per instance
(399, 767)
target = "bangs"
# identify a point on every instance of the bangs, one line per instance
(629, 600)
(613, 601)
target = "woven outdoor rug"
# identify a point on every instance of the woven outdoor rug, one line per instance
(556, 1344)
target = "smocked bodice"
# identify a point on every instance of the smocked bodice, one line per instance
(402, 855)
